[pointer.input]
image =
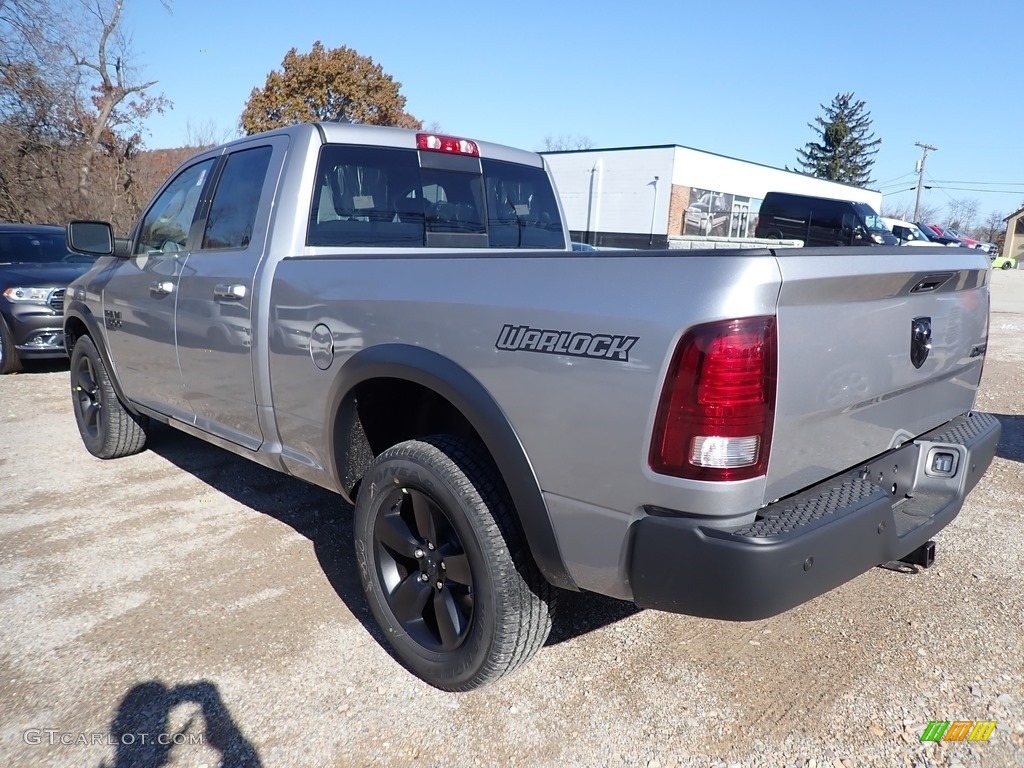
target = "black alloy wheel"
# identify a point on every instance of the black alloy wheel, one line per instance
(87, 399)
(445, 565)
(424, 570)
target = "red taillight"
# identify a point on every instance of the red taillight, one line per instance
(715, 415)
(437, 143)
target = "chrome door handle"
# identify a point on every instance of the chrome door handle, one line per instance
(229, 292)
(162, 288)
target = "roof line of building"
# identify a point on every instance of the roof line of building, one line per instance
(1014, 214)
(703, 152)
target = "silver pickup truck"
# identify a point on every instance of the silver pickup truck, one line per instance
(399, 317)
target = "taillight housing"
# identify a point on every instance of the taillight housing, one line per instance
(717, 406)
(451, 144)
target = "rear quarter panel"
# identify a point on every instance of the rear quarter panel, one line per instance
(585, 423)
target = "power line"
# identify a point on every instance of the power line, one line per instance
(941, 189)
(892, 181)
(997, 183)
(974, 189)
(883, 187)
(958, 189)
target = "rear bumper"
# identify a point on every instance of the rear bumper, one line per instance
(816, 540)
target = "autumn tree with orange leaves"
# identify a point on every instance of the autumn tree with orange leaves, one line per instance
(336, 85)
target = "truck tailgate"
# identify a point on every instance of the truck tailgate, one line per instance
(856, 374)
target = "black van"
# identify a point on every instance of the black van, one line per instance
(821, 221)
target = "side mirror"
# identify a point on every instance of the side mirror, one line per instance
(93, 238)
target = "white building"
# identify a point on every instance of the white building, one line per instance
(638, 197)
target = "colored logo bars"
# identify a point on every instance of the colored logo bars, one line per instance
(958, 730)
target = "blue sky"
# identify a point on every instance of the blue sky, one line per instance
(737, 78)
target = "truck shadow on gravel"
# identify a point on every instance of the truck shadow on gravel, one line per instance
(325, 519)
(145, 733)
(1011, 442)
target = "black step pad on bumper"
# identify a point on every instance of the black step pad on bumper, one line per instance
(809, 543)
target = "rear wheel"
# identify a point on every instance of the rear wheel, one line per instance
(445, 566)
(1006, 265)
(10, 362)
(108, 429)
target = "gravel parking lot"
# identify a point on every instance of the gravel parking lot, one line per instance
(189, 593)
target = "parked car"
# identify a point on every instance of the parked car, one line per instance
(935, 234)
(1004, 262)
(989, 248)
(908, 233)
(35, 268)
(967, 242)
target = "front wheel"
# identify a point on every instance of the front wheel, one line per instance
(445, 566)
(108, 429)
(1006, 265)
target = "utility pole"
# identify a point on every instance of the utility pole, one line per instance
(920, 174)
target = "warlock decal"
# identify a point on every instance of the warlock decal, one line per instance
(600, 346)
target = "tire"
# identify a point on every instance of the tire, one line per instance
(1006, 265)
(445, 566)
(10, 362)
(108, 430)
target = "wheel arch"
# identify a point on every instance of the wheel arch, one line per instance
(393, 392)
(78, 322)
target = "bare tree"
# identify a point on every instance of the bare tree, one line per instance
(905, 211)
(992, 226)
(38, 92)
(562, 143)
(897, 210)
(962, 212)
(118, 99)
(70, 112)
(206, 134)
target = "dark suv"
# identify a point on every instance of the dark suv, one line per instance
(35, 268)
(821, 221)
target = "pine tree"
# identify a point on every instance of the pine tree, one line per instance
(846, 147)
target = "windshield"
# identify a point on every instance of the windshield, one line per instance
(871, 219)
(918, 233)
(38, 248)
